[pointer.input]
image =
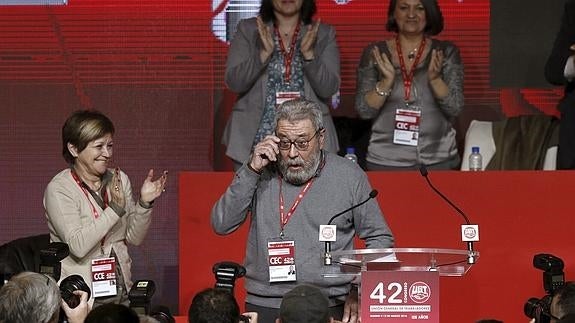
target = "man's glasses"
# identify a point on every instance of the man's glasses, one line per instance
(300, 144)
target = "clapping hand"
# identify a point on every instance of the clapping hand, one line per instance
(117, 189)
(266, 39)
(308, 41)
(152, 189)
(435, 65)
(384, 66)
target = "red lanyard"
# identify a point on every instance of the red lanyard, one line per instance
(288, 56)
(408, 78)
(284, 218)
(83, 188)
(94, 211)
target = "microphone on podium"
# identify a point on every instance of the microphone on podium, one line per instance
(327, 233)
(469, 232)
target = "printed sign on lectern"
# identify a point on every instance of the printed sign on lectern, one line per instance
(399, 296)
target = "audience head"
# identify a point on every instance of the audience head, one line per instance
(112, 313)
(307, 10)
(304, 304)
(30, 297)
(299, 126)
(569, 318)
(433, 17)
(214, 305)
(563, 301)
(81, 128)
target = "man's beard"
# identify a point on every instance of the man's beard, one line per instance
(299, 177)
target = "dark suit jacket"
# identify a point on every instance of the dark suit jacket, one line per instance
(554, 73)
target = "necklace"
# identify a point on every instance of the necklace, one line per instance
(411, 54)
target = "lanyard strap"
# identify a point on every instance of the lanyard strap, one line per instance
(284, 218)
(82, 186)
(408, 77)
(288, 56)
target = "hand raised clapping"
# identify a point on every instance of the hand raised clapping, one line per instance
(308, 41)
(435, 65)
(384, 66)
(266, 38)
(152, 189)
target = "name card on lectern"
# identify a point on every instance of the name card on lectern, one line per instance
(399, 296)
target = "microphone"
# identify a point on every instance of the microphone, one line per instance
(470, 232)
(331, 228)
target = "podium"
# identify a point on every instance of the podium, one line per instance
(400, 284)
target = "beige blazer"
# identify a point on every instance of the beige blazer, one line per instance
(71, 219)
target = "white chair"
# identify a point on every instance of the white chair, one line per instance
(479, 134)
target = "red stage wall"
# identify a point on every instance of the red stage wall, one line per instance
(520, 213)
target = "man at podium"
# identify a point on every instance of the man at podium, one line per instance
(288, 188)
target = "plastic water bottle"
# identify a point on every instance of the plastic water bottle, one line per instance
(475, 160)
(350, 154)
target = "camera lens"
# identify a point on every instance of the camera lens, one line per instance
(530, 307)
(71, 284)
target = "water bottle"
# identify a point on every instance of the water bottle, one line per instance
(350, 154)
(475, 160)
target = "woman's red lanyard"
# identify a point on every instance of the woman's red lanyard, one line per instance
(94, 211)
(288, 56)
(408, 78)
(284, 218)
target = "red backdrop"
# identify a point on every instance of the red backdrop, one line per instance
(520, 213)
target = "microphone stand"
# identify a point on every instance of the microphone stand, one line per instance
(327, 261)
(470, 251)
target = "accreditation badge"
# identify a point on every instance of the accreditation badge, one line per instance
(281, 261)
(104, 277)
(406, 130)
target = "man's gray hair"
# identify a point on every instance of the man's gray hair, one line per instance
(300, 109)
(30, 297)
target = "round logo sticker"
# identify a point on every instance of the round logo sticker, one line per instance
(327, 232)
(419, 292)
(469, 232)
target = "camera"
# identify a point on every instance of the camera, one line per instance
(140, 297)
(226, 273)
(50, 258)
(70, 284)
(553, 279)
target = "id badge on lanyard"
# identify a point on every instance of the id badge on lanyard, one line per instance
(406, 130)
(283, 96)
(281, 260)
(104, 277)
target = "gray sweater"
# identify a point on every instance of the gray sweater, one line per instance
(338, 186)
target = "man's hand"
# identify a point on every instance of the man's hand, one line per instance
(351, 307)
(77, 314)
(252, 316)
(265, 152)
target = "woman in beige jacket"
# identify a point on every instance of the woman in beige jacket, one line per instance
(91, 208)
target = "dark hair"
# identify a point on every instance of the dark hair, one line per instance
(82, 127)
(433, 17)
(308, 9)
(214, 305)
(566, 298)
(112, 313)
